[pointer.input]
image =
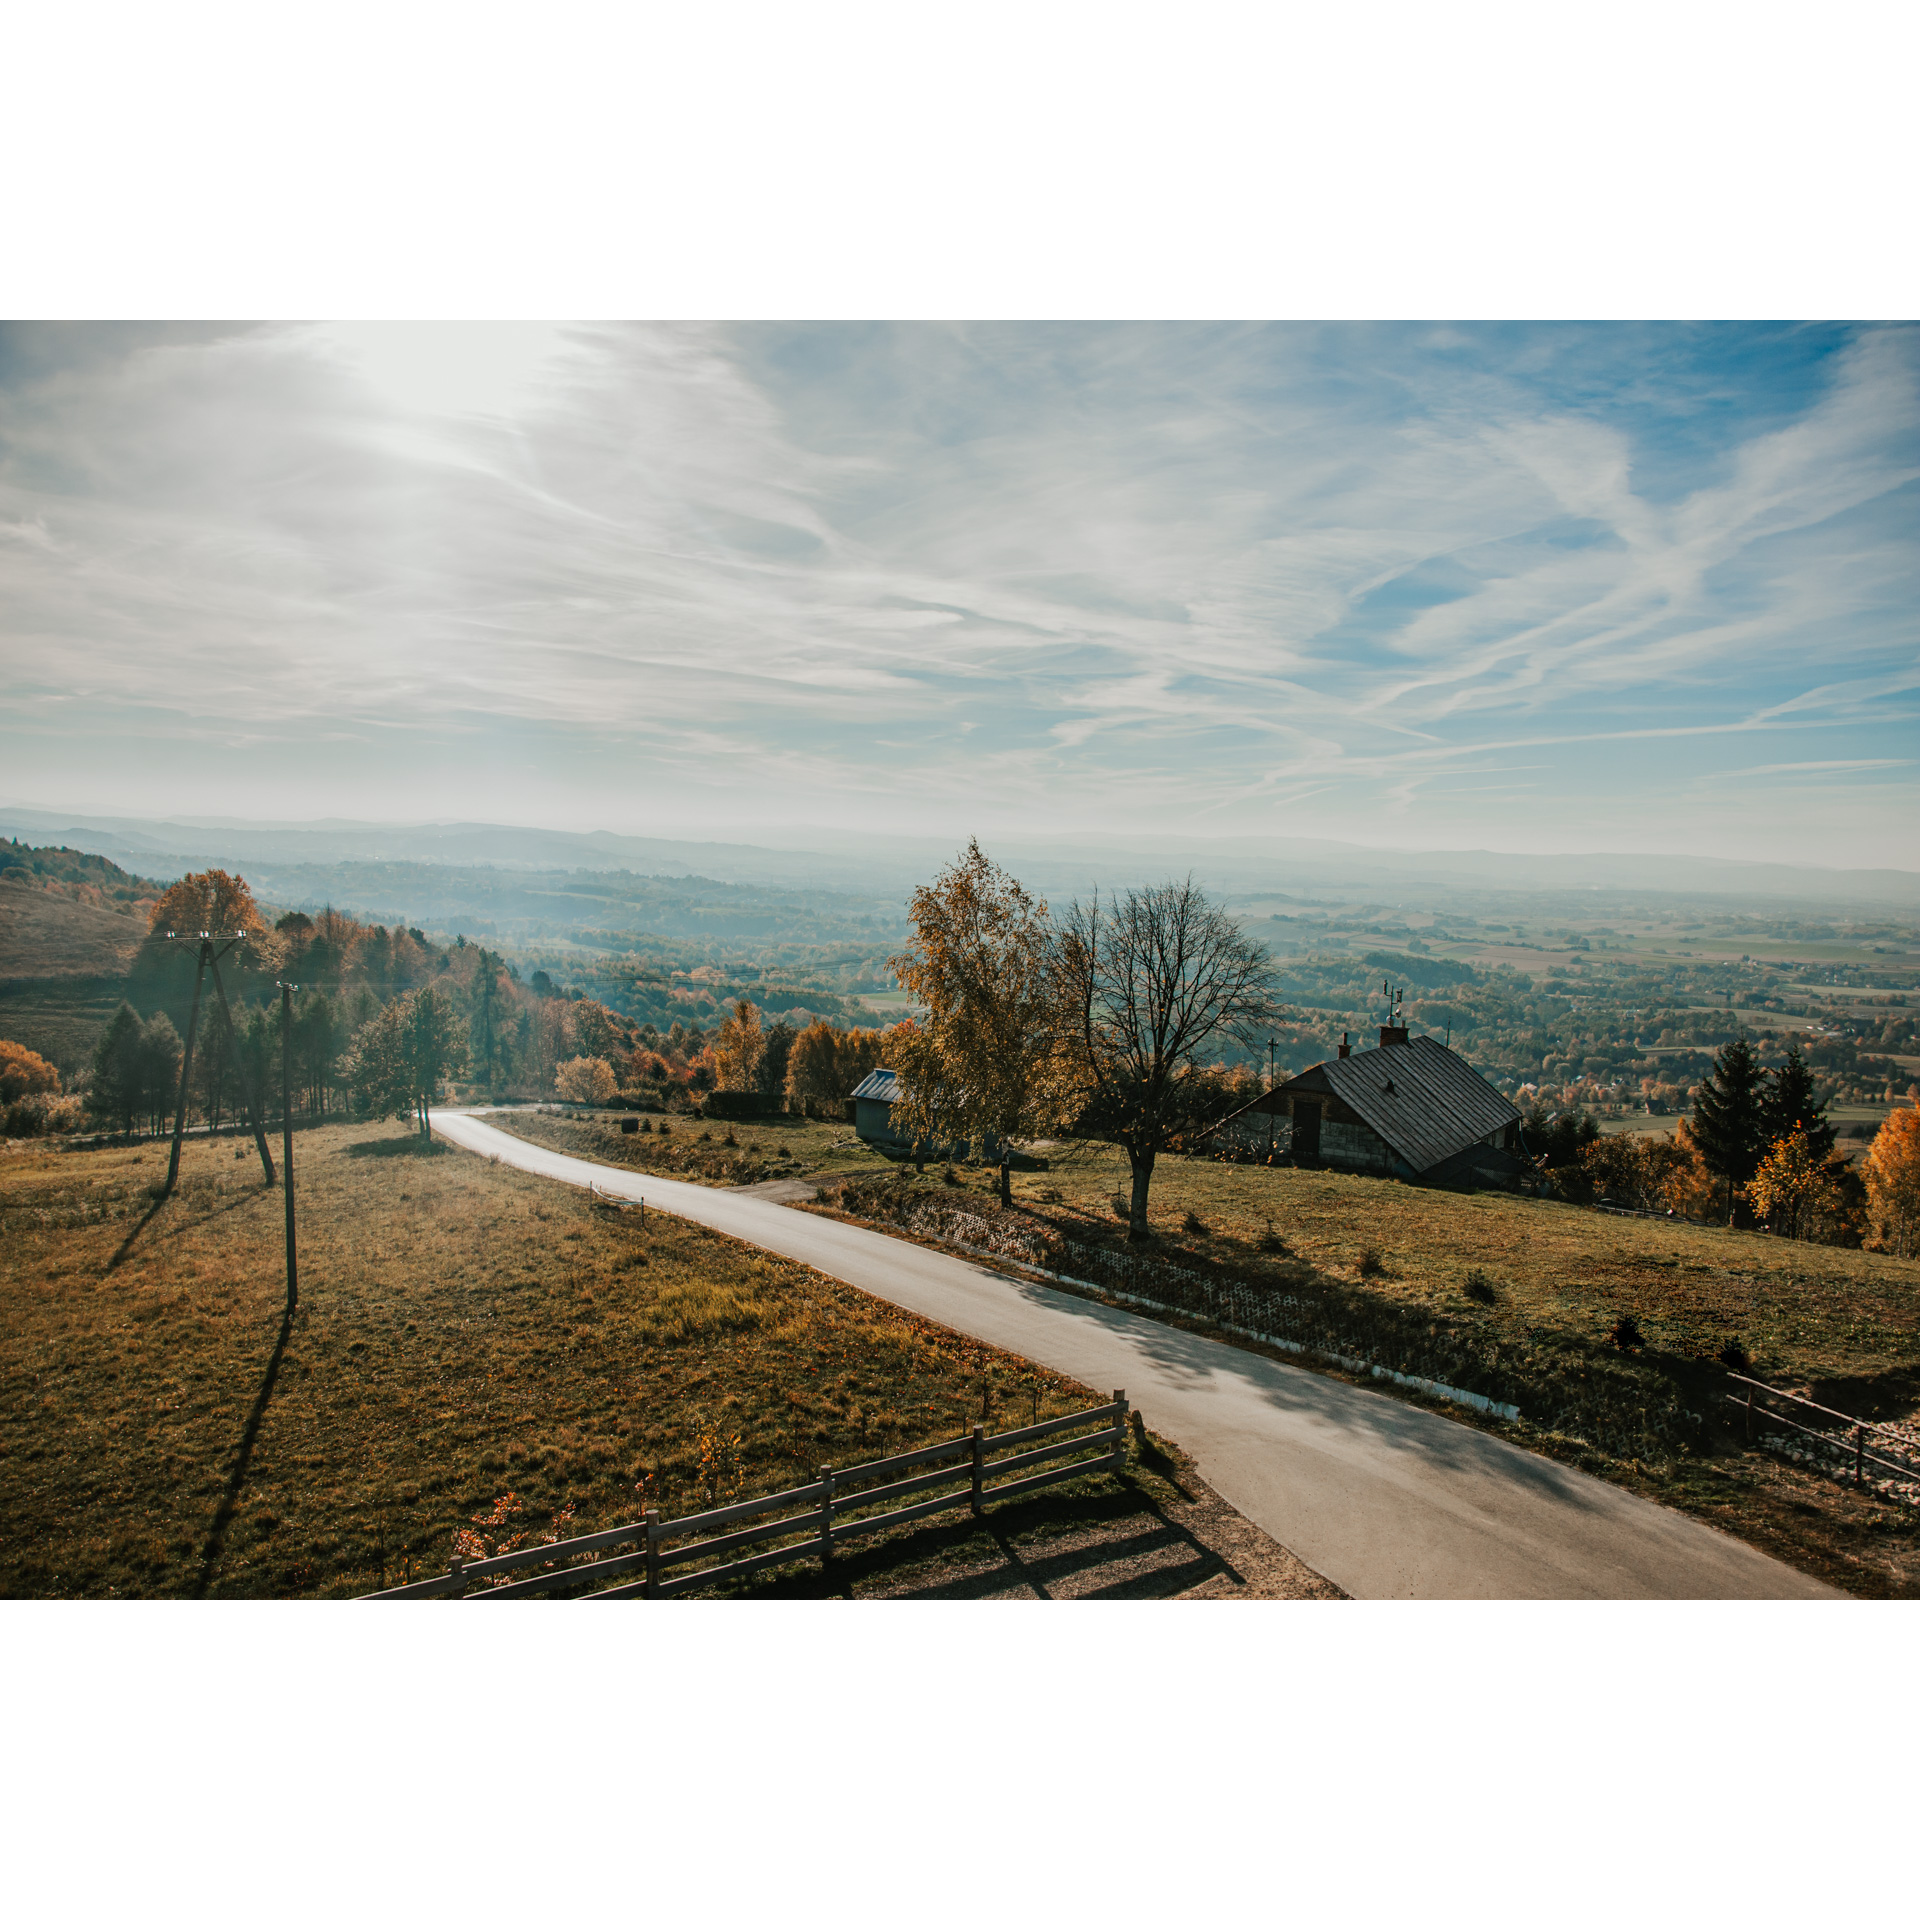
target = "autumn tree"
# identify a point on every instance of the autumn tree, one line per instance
(1893, 1183)
(22, 1072)
(212, 902)
(828, 1062)
(1789, 1189)
(587, 1078)
(1730, 1119)
(987, 1061)
(737, 1047)
(1149, 986)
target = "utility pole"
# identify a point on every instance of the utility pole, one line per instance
(210, 963)
(287, 991)
(1269, 1096)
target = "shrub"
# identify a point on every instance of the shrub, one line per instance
(1480, 1288)
(1121, 1211)
(1734, 1356)
(588, 1079)
(23, 1072)
(1270, 1242)
(1625, 1333)
(1369, 1266)
(1194, 1224)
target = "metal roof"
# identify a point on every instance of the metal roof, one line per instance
(880, 1084)
(1421, 1098)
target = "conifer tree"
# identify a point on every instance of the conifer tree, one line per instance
(114, 1091)
(1789, 1103)
(1730, 1118)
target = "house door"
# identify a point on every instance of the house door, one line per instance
(1306, 1129)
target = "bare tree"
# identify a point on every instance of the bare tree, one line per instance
(1151, 986)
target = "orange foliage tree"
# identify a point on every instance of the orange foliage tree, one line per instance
(1893, 1183)
(23, 1072)
(212, 902)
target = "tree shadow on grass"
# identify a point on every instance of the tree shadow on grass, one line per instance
(410, 1147)
(249, 1434)
(139, 1227)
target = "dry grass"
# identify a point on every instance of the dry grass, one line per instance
(698, 1150)
(467, 1334)
(1808, 1314)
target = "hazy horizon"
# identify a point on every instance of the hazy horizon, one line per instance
(1521, 589)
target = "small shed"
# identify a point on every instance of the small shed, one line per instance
(873, 1102)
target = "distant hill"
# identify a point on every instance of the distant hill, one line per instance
(65, 914)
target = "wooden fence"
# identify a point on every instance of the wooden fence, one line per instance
(661, 1558)
(1885, 1453)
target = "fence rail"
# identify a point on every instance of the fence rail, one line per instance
(973, 1469)
(1861, 1444)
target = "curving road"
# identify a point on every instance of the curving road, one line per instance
(1384, 1499)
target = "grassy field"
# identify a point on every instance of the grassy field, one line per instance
(711, 1153)
(475, 1349)
(1833, 1315)
(1842, 1322)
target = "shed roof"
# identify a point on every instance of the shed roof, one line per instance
(881, 1084)
(1422, 1099)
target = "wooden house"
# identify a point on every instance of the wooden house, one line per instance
(1407, 1109)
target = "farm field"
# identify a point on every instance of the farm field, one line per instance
(475, 1348)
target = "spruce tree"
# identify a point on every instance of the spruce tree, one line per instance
(1730, 1118)
(1790, 1103)
(114, 1092)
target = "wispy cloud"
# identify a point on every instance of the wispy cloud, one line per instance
(1269, 579)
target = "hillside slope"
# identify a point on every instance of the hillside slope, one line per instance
(52, 929)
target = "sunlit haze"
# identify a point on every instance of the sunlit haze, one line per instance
(1528, 588)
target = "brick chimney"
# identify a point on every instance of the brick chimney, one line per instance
(1345, 1048)
(1393, 1036)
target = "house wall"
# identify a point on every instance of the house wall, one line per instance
(1351, 1147)
(873, 1120)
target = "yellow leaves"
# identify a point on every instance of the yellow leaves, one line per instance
(738, 1046)
(1893, 1182)
(1794, 1189)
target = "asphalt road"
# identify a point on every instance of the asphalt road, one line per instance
(1385, 1499)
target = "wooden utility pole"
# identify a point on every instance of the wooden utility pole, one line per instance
(210, 963)
(249, 1091)
(287, 991)
(186, 1069)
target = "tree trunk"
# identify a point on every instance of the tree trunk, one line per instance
(1142, 1161)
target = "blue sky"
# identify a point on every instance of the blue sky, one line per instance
(1536, 587)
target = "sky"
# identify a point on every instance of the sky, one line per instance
(1528, 587)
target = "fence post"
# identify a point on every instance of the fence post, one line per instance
(979, 1501)
(1119, 1429)
(458, 1569)
(1749, 1416)
(1859, 1450)
(826, 1514)
(652, 1518)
